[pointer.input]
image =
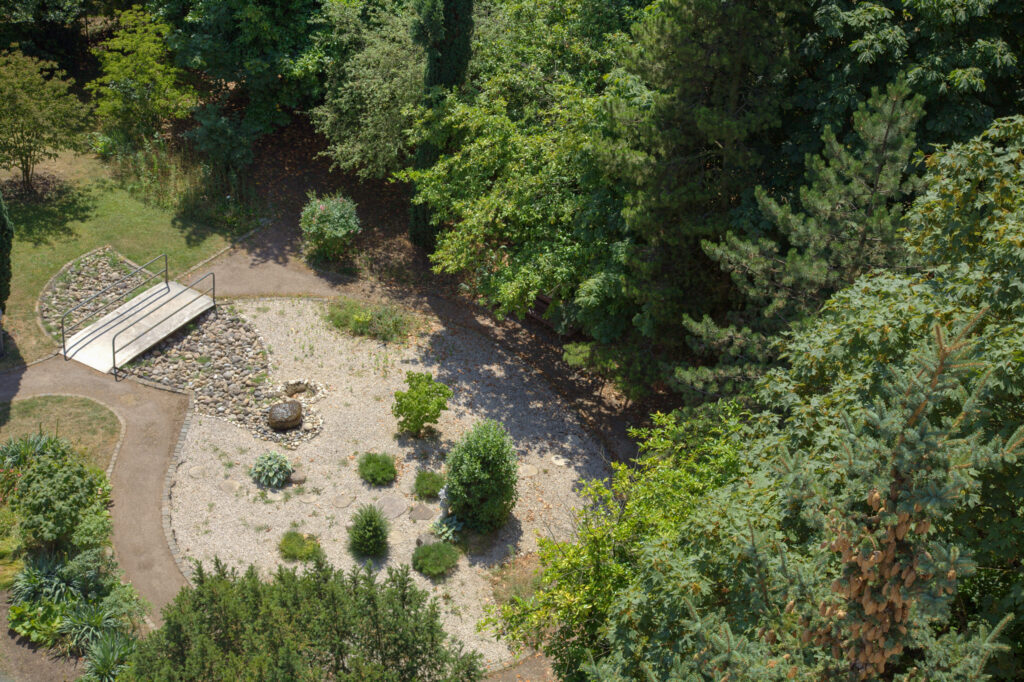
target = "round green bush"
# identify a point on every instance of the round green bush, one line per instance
(428, 484)
(329, 224)
(271, 470)
(376, 468)
(368, 534)
(482, 477)
(296, 546)
(435, 559)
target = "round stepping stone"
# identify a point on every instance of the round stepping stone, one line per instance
(343, 500)
(230, 486)
(528, 471)
(197, 472)
(560, 461)
(392, 506)
(422, 512)
(275, 496)
(308, 498)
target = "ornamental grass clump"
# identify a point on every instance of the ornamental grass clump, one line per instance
(482, 477)
(329, 224)
(376, 468)
(368, 535)
(435, 559)
(271, 470)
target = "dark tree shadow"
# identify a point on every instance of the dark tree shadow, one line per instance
(10, 380)
(48, 216)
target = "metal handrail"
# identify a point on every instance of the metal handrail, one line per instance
(213, 293)
(63, 331)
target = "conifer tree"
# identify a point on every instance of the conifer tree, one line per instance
(444, 29)
(844, 223)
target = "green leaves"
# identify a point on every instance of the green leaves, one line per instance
(482, 476)
(422, 404)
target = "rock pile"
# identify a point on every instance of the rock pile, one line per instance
(221, 358)
(90, 274)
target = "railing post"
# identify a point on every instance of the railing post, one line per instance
(166, 283)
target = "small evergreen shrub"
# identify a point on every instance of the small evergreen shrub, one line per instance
(482, 477)
(421, 404)
(428, 484)
(376, 468)
(271, 470)
(329, 224)
(368, 535)
(434, 560)
(383, 322)
(296, 546)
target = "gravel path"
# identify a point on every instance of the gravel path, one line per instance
(216, 510)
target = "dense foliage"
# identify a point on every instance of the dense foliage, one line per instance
(482, 477)
(421, 404)
(140, 89)
(69, 594)
(39, 115)
(320, 624)
(865, 534)
(434, 559)
(428, 484)
(376, 468)
(296, 546)
(382, 321)
(328, 224)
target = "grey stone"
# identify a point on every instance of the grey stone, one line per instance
(392, 506)
(230, 486)
(197, 472)
(298, 477)
(343, 500)
(422, 512)
(275, 495)
(560, 461)
(295, 387)
(308, 498)
(285, 415)
(527, 471)
(425, 539)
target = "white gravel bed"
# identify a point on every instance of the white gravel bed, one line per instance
(216, 509)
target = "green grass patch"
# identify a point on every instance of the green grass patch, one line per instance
(428, 484)
(296, 546)
(91, 428)
(89, 213)
(377, 469)
(381, 321)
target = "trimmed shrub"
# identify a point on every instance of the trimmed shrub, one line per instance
(383, 322)
(54, 495)
(271, 470)
(368, 535)
(428, 484)
(376, 468)
(482, 477)
(434, 560)
(329, 224)
(296, 546)
(421, 404)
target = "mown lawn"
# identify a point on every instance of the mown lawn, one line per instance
(92, 212)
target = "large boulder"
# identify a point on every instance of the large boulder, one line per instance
(285, 415)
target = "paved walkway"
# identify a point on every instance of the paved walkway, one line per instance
(152, 420)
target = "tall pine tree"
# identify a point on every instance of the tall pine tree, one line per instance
(444, 28)
(843, 224)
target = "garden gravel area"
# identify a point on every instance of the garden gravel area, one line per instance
(85, 276)
(216, 509)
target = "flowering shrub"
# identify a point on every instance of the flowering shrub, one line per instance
(328, 226)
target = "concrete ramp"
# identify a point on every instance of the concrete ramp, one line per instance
(136, 326)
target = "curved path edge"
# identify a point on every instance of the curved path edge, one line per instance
(154, 420)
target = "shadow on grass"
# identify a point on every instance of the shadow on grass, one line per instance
(43, 219)
(13, 365)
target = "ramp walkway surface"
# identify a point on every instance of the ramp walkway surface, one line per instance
(136, 325)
